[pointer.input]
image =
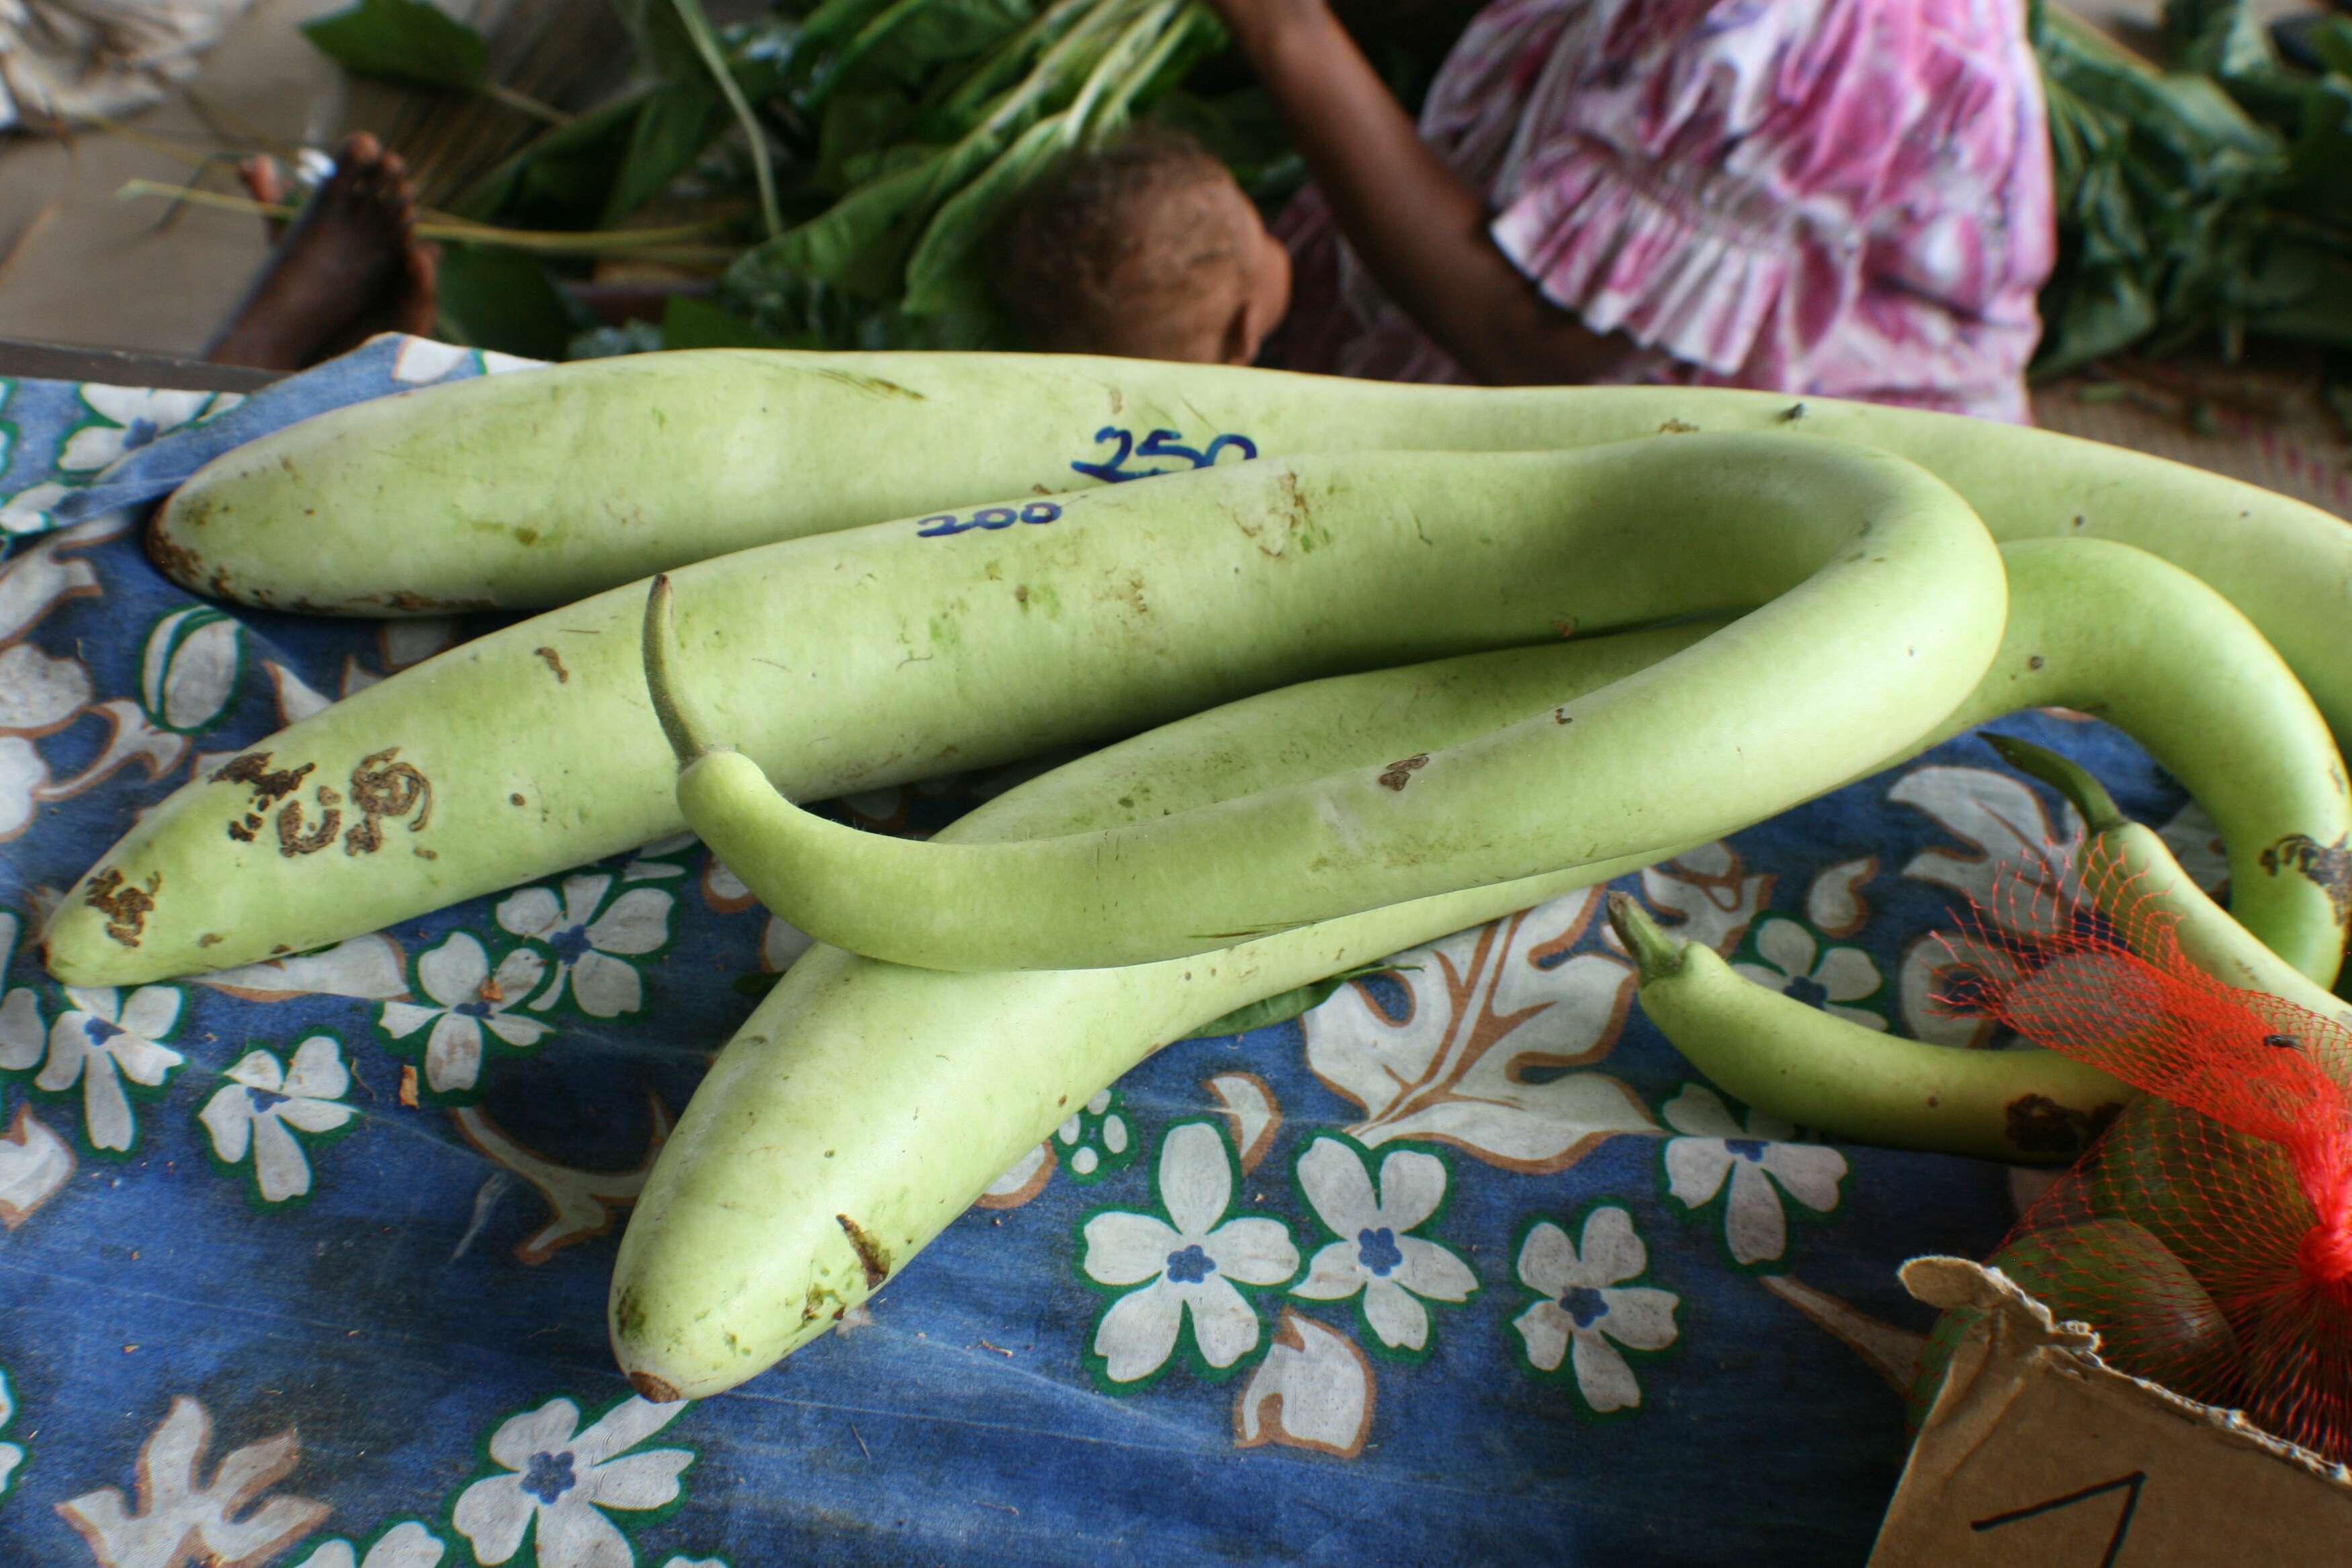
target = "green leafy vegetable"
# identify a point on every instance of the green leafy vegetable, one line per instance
(503, 300)
(1289, 1004)
(406, 40)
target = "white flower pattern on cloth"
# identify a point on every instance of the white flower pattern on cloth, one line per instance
(407, 1544)
(1799, 968)
(11, 1454)
(27, 511)
(265, 1102)
(38, 695)
(1186, 1268)
(98, 1041)
(559, 1481)
(1762, 1159)
(1373, 1253)
(590, 940)
(1588, 1306)
(127, 419)
(467, 998)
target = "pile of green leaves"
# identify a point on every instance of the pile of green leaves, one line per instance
(884, 140)
(2198, 204)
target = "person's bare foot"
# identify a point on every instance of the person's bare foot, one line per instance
(349, 266)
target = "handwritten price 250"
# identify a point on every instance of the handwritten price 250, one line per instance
(1157, 444)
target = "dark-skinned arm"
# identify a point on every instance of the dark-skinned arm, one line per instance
(1420, 230)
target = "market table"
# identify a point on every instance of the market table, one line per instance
(266, 1294)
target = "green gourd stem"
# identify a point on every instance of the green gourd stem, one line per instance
(2070, 778)
(1656, 954)
(681, 726)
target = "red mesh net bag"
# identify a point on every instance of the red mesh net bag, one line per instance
(2207, 1233)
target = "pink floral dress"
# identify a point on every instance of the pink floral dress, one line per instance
(1849, 198)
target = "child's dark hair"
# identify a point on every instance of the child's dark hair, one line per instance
(1057, 252)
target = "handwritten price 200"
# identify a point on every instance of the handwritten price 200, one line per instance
(1156, 444)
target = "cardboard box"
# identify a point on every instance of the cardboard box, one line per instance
(2037, 1452)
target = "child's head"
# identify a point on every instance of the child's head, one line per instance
(1147, 249)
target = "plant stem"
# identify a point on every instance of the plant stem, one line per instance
(545, 242)
(697, 28)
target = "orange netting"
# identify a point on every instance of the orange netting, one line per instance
(2207, 1233)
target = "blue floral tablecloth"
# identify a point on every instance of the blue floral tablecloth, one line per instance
(306, 1263)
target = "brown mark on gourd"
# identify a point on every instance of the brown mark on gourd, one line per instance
(1399, 773)
(383, 786)
(409, 602)
(654, 1389)
(872, 1255)
(2035, 661)
(2036, 1124)
(175, 560)
(2328, 865)
(872, 384)
(1677, 428)
(555, 663)
(293, 841)
(126, 908)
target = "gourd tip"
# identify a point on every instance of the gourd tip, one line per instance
(1658, 954)
(2065, 776)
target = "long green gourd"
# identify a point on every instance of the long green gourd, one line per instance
(894, 1095)
(540, 488)
(864, 1105)
(903, 650)
(1778, 1056)
(1239, 868)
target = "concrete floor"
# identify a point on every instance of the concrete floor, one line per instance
(91, 269)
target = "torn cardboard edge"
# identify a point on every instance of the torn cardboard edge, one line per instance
(2037, 1451)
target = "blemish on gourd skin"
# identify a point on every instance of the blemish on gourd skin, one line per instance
(872, 1255)
(2329, 866)
(555, 663)
(126, 908)
(1399, 773)
(872, 384)
(175, 560)
(2036, 1124)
